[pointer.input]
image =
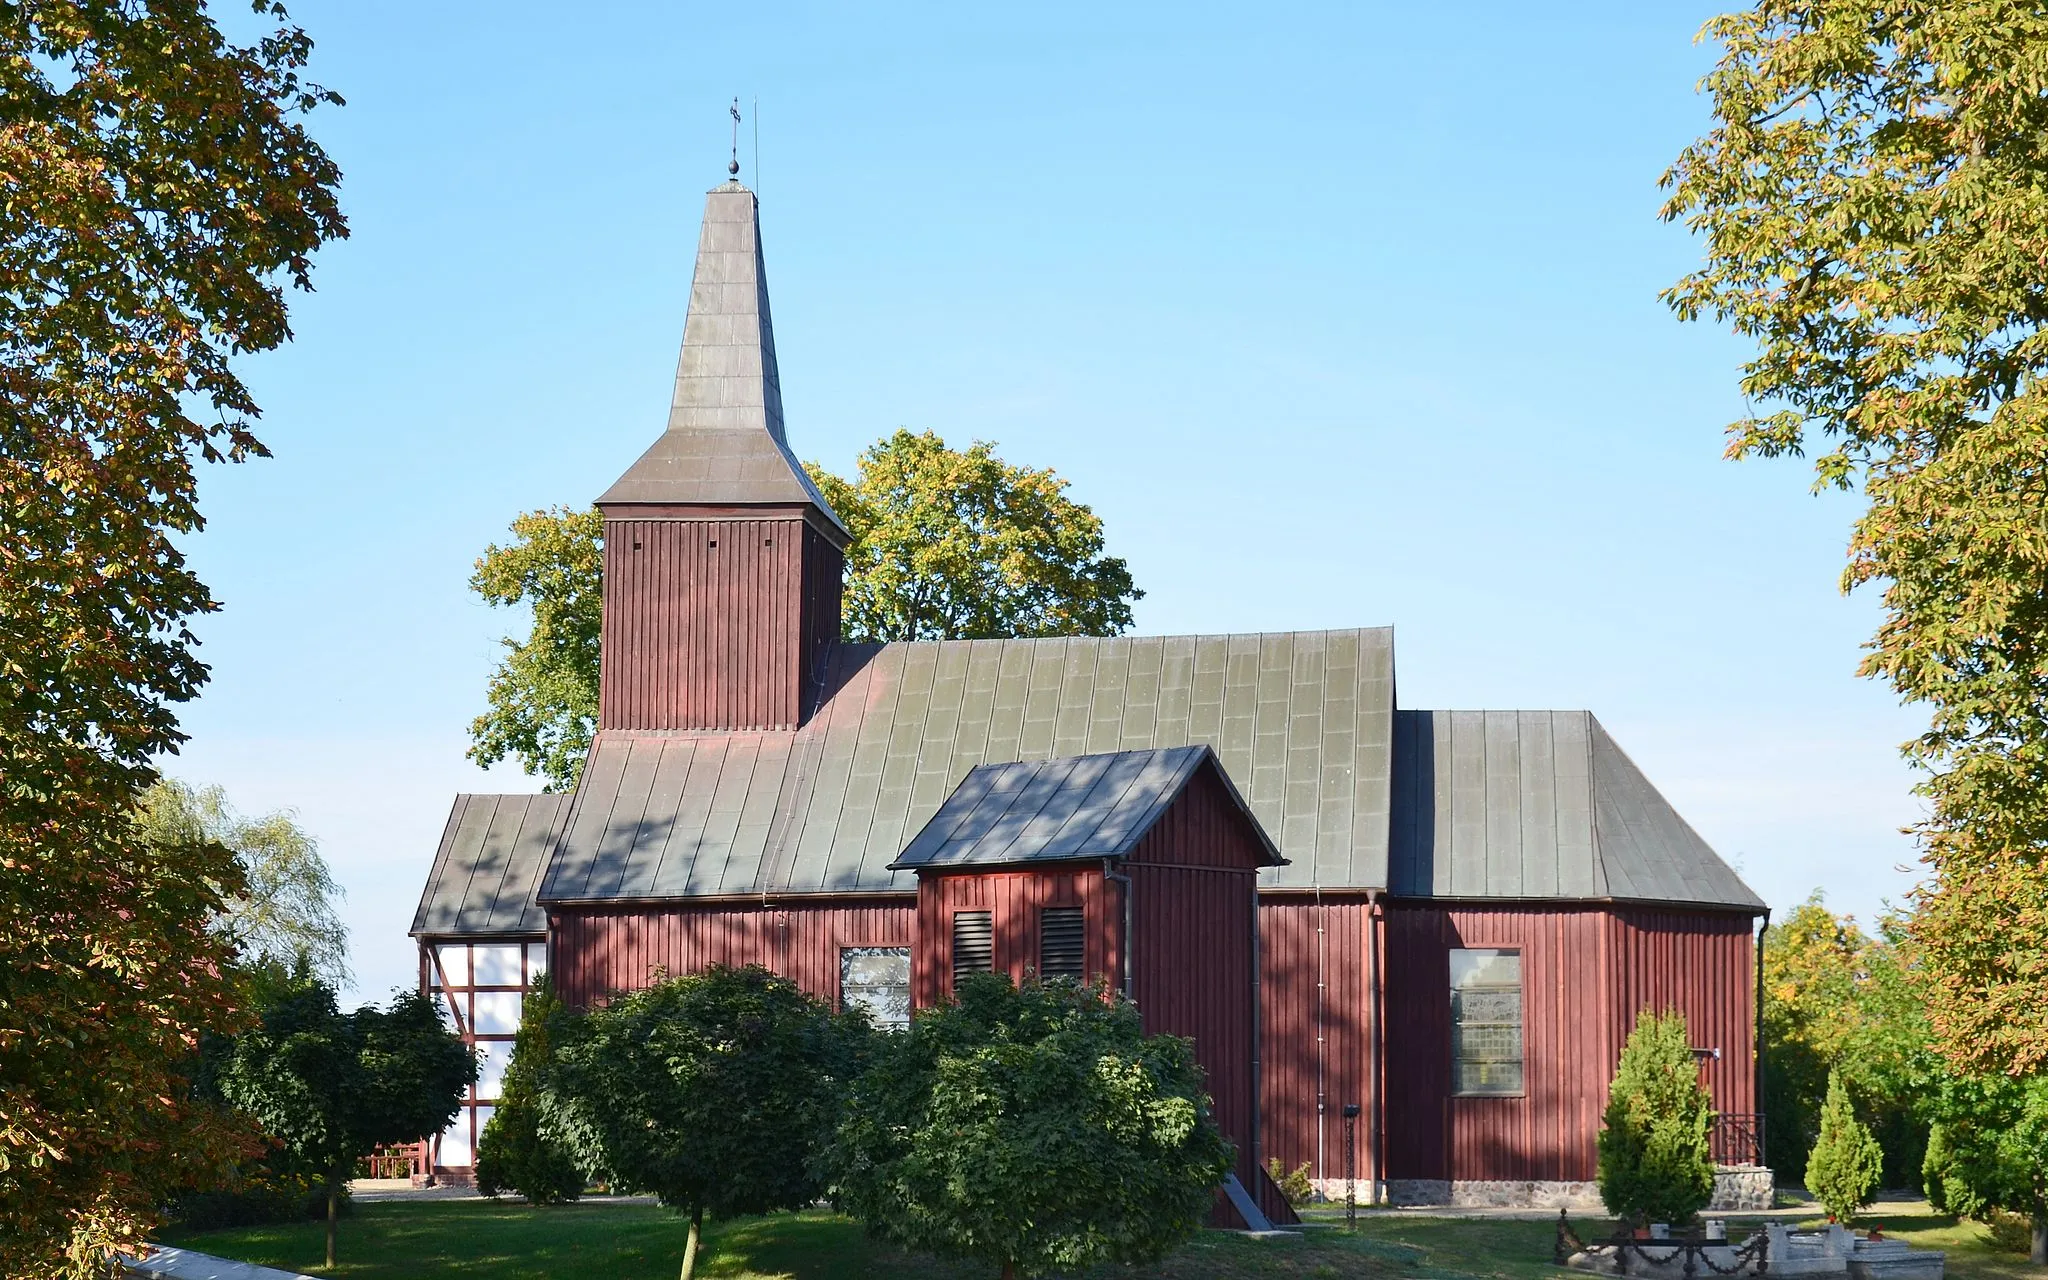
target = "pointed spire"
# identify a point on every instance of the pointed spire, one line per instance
(724, 444)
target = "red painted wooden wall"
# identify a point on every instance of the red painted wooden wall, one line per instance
(714, 621)
(1316, 1031)
(1013, 899)
(596, 952)
(1585, 973)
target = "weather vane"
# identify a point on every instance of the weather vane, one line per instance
(734, 167)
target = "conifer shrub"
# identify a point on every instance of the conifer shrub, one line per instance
(1656, 1161)
(1846, 1162)
(515, 1152)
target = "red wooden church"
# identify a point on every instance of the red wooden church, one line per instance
(1447, 919)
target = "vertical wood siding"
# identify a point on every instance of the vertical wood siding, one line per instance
(1316, 1030)
(1194, 949)
(1013, 899)
(714, 624)
(1585, 973)
(597, 952)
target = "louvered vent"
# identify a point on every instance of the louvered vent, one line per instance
(974, 942)
(1062, 944)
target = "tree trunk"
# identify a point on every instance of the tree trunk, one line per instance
(2039, 1254)
(690, 1247)
(1009, 1271)
(333, 1207)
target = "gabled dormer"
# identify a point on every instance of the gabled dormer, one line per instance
(722, 561)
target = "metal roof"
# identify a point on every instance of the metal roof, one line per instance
(724, 444)
(1063, 810)
(489, 866)
(1302, 722)
(1540, 804)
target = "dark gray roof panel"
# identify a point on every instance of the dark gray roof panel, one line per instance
(1540, 804)
(1074, 807)
(1302, 723)
(725, 443)
(488, 869)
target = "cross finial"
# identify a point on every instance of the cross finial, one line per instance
(734, 167)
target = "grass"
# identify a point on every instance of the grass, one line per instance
(482, 1240)
(485, 1240)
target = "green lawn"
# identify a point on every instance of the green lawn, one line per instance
(482, 1240)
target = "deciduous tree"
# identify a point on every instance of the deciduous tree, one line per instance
(284, 909)
(330, 1087)
(1038, 1129)
(160, 193)
(1655, 1163)
(1836, 998)
(713, 1092)
(1870, 200)
(957, 544)
(1990, 1150)
(543, 696)
(947, 544)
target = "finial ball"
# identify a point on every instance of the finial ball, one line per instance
(733, 168)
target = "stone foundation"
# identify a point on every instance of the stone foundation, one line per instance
(1738, 1189)
(1745, 1188)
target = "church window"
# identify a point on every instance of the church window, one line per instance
(876, 979)
(1486, 1022)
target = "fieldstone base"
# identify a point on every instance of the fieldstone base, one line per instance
(1736, 1190)
(1579, 1197)
(1743, 1189)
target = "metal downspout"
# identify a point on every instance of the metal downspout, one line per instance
(1376, 976)
(1757, 1015)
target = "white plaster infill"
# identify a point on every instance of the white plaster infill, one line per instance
(184, 1264)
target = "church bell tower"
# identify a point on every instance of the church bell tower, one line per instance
(722, 561)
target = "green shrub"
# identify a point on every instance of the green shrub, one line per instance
(1296, 1185)
(1846, 1162)
(1936, 1168)
(515, 1152)
(1656, 1163)
(1037, 1129)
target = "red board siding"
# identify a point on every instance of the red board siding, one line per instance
(714, 623)
(598, 952)
(1585, 973)
(1316, 1034)
(1194, 948)
(1013, 899)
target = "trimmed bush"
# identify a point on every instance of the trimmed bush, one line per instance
(1036, 1129)
(1656, 1162)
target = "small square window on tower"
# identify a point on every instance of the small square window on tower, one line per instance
(974, 942)
(1062, 943)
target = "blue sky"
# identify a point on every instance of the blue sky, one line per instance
(1339, 315)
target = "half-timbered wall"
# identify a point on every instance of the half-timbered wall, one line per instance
(480, 988)
(715, 623)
